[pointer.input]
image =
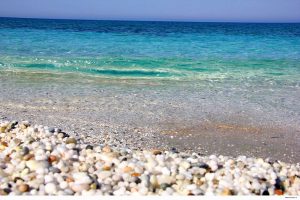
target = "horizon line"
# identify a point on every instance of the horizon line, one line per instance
(153, 20)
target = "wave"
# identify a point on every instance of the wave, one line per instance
(163, 68)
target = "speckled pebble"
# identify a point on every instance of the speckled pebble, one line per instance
(38, 160)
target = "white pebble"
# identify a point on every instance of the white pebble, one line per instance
(50, 188)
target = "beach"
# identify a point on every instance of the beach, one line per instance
(221, 94)
(38, 160)
(128, 117)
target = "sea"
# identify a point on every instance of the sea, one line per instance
(159, 72)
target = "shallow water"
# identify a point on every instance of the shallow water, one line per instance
(180, 72)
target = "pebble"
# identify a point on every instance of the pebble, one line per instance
(106, 149)
(127, 169)
(28, 157)
(49, 178)
(34, 165)
(156, 152)
(23, 188)
(185, 165)
(164, 179)
(69, 179)
(135, 174)
(36, 160)
(76, 187)
(104, 174)
(265, 193)
(106, 168)
(93, 186)
(82, 178)
(164, 186)
(17, 141)
(227, 192)
(71, 141)
(50, 188)
(63, 185)
(213, 165)
(174, 150)
(278, 192)
(166, 171)
(52, 159)
(25, 151)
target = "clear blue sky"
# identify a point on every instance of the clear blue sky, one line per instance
(174, 10)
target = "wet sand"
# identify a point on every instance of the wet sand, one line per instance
(151, 117)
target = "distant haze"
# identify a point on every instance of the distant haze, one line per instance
(157, 10)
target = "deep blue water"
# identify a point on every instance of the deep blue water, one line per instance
(139, 50)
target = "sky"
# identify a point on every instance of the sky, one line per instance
(156, 10)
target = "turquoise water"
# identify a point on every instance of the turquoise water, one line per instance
(149, 73)
(152, 50)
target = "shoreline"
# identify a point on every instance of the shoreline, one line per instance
(204, 120)
(38, 160)
(205, 138)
